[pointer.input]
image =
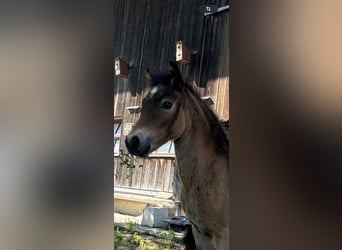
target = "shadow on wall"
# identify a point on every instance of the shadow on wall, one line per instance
(146, 33)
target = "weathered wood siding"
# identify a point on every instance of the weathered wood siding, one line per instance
(157, 174)
(145, 33)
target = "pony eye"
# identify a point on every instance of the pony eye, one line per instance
(166, 105)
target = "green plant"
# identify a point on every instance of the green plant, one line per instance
(136, 238)
(125, 237)
(128, 160)
(168, 237)
(144, 244)
(129, 226)
(118, 236)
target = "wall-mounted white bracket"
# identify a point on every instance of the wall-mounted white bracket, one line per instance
(134, 109)
(212, 9)
(208, 100)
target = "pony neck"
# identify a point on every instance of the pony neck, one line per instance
(197, 148)
(202, 130)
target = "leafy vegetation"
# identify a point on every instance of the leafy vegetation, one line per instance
(128, 160)
(127, 238)
(129, 226)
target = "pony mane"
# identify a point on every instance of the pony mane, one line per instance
(219, 133)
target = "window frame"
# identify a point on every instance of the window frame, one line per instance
(154, 154)
(164, 154)
(117, 137)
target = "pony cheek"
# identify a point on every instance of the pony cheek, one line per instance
(178, 126)
(159, 142)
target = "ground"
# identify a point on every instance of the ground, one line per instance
(129, 234)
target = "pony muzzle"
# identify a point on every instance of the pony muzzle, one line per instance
(138, 143)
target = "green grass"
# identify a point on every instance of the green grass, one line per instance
(126, 238)
(129, 226)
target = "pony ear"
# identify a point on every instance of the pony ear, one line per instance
(176, 77)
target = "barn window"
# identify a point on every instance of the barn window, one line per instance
(117, 135)
(167, 148)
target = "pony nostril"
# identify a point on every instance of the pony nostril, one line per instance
(138, 143)
(135, 142)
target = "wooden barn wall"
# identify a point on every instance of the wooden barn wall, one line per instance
(145, 32)
(157, 175)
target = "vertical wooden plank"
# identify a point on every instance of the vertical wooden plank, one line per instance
(125, 176)
(160, 174)
(171, 173)
(222, 97)
(143, 175)
(137, 174)
(120, 175)
(225, 112)
(144, 163)
(215, 94)
(152, 174)
(166, 180)
(155, 180)
(176, 185)
(115, 171)
(146, 176)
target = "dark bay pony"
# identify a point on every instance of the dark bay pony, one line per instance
(173, 111)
